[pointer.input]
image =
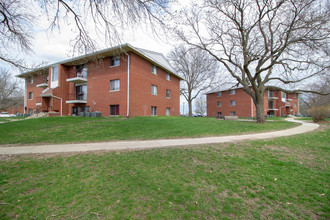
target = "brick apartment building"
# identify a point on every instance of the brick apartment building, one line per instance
(122, 80)
(237, 102)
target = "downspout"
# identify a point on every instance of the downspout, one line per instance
(25, 97)
(59, 99)
(298, 103)
(127, 85)
(251, 108)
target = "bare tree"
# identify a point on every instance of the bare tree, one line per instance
(200, 105)
(261, 43)
(108, 18)
(322, 86)
(197, 68)
(10, 91)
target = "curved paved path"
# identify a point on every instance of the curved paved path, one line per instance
(124, 145)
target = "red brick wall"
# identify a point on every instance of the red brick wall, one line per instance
(15, 109)
(243, 104)
(31, 104)
(99, 97)
(141, 98)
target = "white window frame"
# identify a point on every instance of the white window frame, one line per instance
(54, 80)
(168, 111)
(31, 95)
(115, 58)
(154, 69)
(232, 103)
(153, 90)
(116, 86)
(218, 104)
(168, 92)
(168, 77)
(232, 92)
(154, 110)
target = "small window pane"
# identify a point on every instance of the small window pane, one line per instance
(154, 90)
(30, 95)
(115, 61)
(232, 92)
(232, 103)
(219, 104)
(114, 85)
(153, 110)
(168, 111)
(218, 94)
(154, 69)
(168, 76)
(114, 109)
(168, 93)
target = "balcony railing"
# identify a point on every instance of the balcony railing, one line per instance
(79, 97)
(77, 75)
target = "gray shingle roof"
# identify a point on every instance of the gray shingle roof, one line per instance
(154, 57)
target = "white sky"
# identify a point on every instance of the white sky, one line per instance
(50, 47)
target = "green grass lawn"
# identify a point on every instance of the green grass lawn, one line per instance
(267, 118)
(284, 178)
(309, 119)
(81, 129)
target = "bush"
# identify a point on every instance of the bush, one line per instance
(319, 113)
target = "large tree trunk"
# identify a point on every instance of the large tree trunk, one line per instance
(259, 103)
(190, 107)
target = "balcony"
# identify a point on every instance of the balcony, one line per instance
(80, 98)
(43, 85)
(78, 75)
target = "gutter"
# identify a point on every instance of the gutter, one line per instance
(128, 65)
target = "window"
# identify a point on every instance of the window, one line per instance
(270, 93)
(295, 95)
(232, 92)
(114, 85)
(283, 95)
(168, 111)
(218, 94)
(232, 103)
(270, 105)
(154, 69)
(153, 90)
(219, 104)
(168, 77)
(81, 71)
(54, 73)
(81, 92)
(31, 80)
(30, 95)
(46, 78)
(219, 114)
(115, 61)
(295, 104)
(114, 109)
(153, 110)
(232, 113)
(168, 93)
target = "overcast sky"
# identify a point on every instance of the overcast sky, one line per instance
(53, 46)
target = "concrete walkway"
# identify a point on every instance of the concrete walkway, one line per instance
(124, 145)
